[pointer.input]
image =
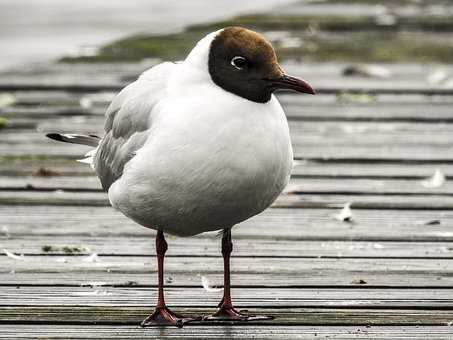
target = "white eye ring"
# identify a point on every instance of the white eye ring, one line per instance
(239, 62)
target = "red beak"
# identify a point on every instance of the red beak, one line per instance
(291, 83)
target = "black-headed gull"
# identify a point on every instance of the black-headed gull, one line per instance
(197, 146)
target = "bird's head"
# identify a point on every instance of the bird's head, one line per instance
(244, 63)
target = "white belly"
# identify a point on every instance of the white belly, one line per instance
(206, 169)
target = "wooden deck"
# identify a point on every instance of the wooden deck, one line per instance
(72, 267)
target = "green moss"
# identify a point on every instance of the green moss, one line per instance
(3, 122)
(335, 23)
(171, 47)
(322, 38)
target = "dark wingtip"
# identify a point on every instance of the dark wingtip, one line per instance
(55, 136)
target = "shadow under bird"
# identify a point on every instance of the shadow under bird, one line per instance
(197, 146)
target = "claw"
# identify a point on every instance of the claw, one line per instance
(229, 313)
(163, 316)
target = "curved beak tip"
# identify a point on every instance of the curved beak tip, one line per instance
(311, 90)
(293, 83)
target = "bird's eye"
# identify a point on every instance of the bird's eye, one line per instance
(239, 62)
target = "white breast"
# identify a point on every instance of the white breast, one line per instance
(213, 159)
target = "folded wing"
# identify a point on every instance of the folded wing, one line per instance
(128, 122)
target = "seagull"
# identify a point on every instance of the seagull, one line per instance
(197, 146)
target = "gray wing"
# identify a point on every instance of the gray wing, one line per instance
(128, 122)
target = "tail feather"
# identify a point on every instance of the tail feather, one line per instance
(90, 140)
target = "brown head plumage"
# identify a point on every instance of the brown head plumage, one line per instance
(244, 63)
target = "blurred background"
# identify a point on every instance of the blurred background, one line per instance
(48, 29)
(315, 30)
(362, 236)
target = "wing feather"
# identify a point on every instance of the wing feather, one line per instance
(128, 122)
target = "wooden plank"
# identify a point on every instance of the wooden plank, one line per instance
(27, 166)
(308, 132)
(52, 331)
(317, 140)
(210, 246)
(278, 223)
(46, 112)
(300, 111)
(309, 248)
(121, 315)
(244, 297)
(288, 100)
(341, 112)
(391, 201)
(333, 201)
(296, 185)
(21, 140)
(213, 265)
(382, 170)
(57, 197)
(46, 98)
(429, 153)
(81, 183)
(308, 278)
(355, 186)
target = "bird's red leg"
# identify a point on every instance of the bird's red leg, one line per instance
(226, 311)
(162, 315)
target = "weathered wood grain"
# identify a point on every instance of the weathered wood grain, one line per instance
(300, 129)
(303, 201)
(244, 297)
(306, 131)
(211, 265)
(295, 109)
(305, 135)
(308, 278)
(46, 98)
(27, 166)
(64, 98)
(386, 152)
(210, 246)
(278, 223)
(126, 315)
(194, 332)
(378, 170)
(388, 98)
(390, 266)
(296, 185)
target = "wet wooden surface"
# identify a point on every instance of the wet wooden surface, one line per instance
(73, 267)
